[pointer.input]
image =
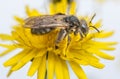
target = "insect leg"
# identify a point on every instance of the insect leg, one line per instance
(69, 39)
(81, 34)
(78, 30)
(62, 34)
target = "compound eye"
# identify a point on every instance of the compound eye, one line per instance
(84, 27)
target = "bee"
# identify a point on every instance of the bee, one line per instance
(67, 24)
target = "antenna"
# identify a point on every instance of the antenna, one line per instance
(95, 28)
(92, 17)
(91, 22)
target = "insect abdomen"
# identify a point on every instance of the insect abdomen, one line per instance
(40, 31)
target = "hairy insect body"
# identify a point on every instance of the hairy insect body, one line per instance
(41, 31)
(45, 24)
(66, 23)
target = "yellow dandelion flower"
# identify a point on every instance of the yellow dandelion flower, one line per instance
(40, 49)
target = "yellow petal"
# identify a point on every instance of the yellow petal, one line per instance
(52, 9)
(34, 67)
(6, 46)
(102, 46)
(24, 60)
(109, 43)
(80, 61)
(89, 58)
(6, 37)
(41, 53)
(58, 68)
(19, 20)
(8, 50)
(101, 54)
(104, 34)
(16, 58)
(21, 36)
(10, 71)
(97, 64)
(78, 70)
(73, 8)
(17, 37)
(51, 65)
(59, 7)
(42, 68)
(32, 12)
(84, 55)
(65, 70)
(103, 43)
(61, 69)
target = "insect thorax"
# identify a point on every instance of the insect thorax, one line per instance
(72, 20)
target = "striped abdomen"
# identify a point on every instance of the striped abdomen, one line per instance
(41, 31)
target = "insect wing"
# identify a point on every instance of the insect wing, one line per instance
(45, 21)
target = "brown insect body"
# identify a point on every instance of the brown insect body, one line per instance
(66, 23)
(44, 24)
